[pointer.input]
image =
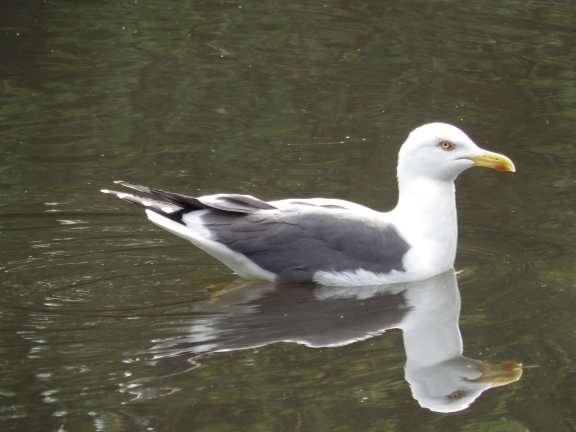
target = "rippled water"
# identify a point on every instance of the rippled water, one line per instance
(109, 324)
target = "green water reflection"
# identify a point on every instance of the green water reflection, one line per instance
(277, 99)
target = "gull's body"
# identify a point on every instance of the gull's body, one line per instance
(330, 241)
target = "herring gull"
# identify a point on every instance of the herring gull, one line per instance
(332, 241)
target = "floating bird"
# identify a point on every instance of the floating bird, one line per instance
(332, 241)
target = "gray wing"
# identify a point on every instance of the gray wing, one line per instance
(296, 245)
(292, 239)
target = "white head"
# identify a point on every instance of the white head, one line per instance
(441, 152)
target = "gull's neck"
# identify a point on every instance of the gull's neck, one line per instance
(426, 216)
(424, 197)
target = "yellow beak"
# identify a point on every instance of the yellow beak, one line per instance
(496, 161)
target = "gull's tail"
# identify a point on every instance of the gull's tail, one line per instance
(166, 204)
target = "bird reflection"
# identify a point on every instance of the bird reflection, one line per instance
(247, 315)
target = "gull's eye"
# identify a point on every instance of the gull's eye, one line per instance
(447, 145)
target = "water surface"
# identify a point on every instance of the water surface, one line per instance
(276, 99)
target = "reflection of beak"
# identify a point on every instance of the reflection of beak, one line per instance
(496, 161)
(499, 374)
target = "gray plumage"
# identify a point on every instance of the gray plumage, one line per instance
(296, 245)
(293, 243)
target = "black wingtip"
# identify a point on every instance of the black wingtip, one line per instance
(163, 208)
(127, 185)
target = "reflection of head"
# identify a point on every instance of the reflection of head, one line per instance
(456, 383)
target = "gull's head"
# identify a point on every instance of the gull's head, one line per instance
(441, 152)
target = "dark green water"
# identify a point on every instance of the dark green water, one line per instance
(101, 314)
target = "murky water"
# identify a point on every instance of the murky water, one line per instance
(109, 324)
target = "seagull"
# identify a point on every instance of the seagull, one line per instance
(331, 241)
